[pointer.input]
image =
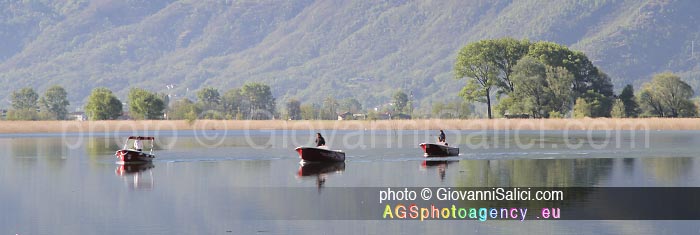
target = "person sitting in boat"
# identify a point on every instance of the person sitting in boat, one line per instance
(441, 138)
(137, 145)
(319, 140)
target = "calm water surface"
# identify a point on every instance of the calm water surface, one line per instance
(70, 184)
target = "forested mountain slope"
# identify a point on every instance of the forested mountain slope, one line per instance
(314, 49)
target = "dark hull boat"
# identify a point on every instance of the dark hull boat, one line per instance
(439, 150)
(129, 156)
(134, 154)
(313, 154)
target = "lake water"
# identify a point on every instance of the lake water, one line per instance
(200, 182)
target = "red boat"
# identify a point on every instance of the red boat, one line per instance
(439, 150)
(314, 154)
(135, 153)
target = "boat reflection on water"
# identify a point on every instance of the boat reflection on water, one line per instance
(134, 174)
(320, 170)
(440, 165)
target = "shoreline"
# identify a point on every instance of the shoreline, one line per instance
(16, 127)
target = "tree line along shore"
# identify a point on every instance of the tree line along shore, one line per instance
(140, 126)
(512, 78)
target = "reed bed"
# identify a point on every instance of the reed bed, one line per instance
(423, 124)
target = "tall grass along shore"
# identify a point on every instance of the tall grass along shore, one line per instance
(426, 124)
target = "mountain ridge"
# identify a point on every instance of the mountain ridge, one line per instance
(314, 49)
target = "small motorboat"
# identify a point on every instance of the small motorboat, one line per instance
(134, 154)
(439, 150)
(320, 154)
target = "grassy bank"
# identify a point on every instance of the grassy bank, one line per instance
(429, 124)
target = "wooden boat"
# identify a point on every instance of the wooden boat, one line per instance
(439, 150)
(316, 154)
(131, 155)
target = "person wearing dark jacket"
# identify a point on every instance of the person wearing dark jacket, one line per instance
(441, 138)
(319, 140)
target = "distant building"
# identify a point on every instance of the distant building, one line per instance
(77, 116)
(345, 116)
(384, 116)
(359, 116)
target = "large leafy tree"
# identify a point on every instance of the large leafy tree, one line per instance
(103, 105)
(532, 93)
(351, 105)
(667, 96)
(25, 98)
(560, 82)
(479, 68)
(55, 102)
(209, 97)
(540, 90)
(145, 105)
(586, 75)
(261, 103)
(232, 102)
(505, 53)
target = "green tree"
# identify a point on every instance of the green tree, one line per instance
(209, 98)
(480, 70)
(400, 101)
(667, 96)
(232, 102)
(600, 105)
(582, 108)
(294, 109)
(451, 110)
(329, 109)
(145, 105)
(586, 75)
(25, 98)
(309, 112)
(532, 93)
(618, 109)
(650, 103)
(261, 103)
(103, 105)
(540, 90)
(351, 105)
(55, 102)
(505, 53)
(23, 114)
(559, 83)
(630, 102)
(184, 109)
